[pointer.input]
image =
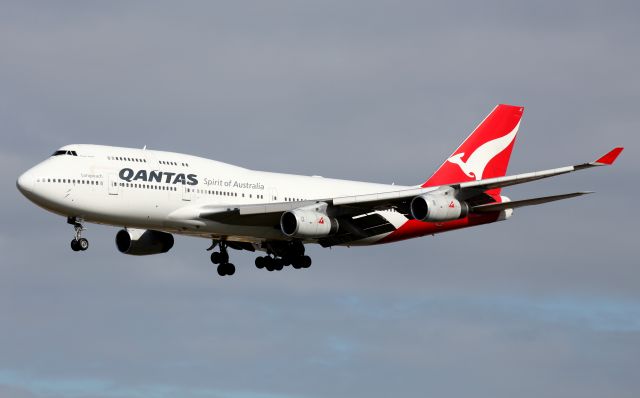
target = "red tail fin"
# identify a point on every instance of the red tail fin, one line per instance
(485, 153)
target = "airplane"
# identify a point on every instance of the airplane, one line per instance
(153, 195)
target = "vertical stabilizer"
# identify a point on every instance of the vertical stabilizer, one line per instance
(485, 153)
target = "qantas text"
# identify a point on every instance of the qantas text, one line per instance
(158, 176)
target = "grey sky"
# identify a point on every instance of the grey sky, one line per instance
(547, 303)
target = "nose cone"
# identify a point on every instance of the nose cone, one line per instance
(25, 183)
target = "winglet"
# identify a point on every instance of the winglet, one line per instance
(610, 157)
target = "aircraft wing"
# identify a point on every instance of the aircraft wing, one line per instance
(269, 213)
(501, 182)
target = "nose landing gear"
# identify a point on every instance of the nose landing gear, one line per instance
(78, 243)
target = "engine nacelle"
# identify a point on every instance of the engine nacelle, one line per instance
(430, 207)
(140, 242)
(307, 223)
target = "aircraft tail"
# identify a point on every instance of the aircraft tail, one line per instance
(485, 153)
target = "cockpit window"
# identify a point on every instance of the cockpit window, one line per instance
(61, 152)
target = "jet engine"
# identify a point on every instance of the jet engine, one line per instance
(307, 223)
(430, 207)
(140, 242)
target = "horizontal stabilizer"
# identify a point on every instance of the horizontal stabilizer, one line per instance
(525, 202)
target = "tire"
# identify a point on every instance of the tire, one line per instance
(306, 261)
(297, 262)
(83, 244)
(260, 262)
(75, 246)
(222, 271)
(231, 269)
(278, 264)
(215, 258)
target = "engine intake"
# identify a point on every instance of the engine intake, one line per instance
(141, 242)
(429, 207)
(307, 223)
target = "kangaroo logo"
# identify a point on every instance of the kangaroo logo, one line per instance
(478, 160)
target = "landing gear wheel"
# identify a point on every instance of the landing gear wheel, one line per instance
(260, 262)
(83, 244)
(306, 261)
(297, 262)
(268, 263)
(220, 257)
(75, 246)
(278, 264)
(226, 269)
(231, 269)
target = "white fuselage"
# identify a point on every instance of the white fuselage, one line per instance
(164, 191)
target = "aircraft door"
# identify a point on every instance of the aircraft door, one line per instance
(186, 192)
(113, 185)
(273, 195)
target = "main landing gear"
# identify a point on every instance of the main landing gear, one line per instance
(222, 259)
(78, 243)
(278, 263)
(280, 254)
